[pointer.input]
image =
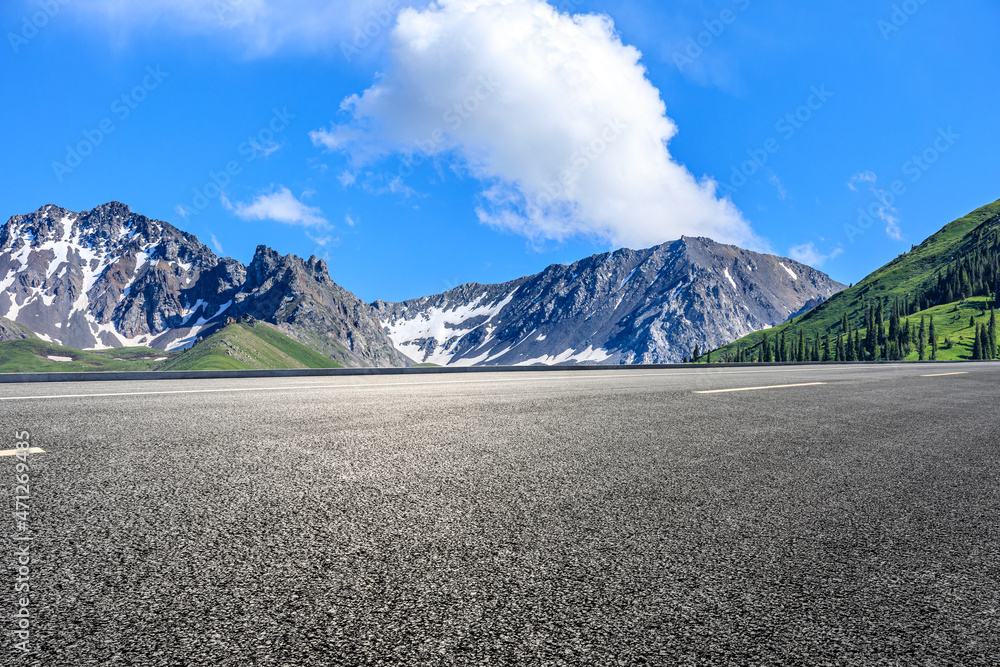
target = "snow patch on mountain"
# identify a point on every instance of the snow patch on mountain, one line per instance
(647, 306)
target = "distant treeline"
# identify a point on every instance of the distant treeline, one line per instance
(890, 331)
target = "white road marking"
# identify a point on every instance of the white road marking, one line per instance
(569, 375)
(15, 452)
(941, 375)
(777, 386)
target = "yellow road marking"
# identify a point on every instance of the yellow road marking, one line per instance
(941, 375)
(777, 386)
(14, 452)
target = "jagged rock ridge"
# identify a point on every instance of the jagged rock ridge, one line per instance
(112, 278)
(625, 307)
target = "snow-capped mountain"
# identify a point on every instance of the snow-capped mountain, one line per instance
(646, 306)
(112, 278)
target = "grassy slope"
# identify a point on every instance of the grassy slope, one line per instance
(236, 347)
(246, 347)
(951, 321)
(29, 356)
(903, 276)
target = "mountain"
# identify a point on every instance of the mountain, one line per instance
(624, 307)
(954, 275)
(300, 297)
(110, 278)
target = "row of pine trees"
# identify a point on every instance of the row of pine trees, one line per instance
(890, 331)
(877, 340)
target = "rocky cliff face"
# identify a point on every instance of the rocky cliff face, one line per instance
(112, 278)
(301, 299)
(625, 307)
(12, 331)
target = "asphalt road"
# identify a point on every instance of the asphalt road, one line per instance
(613, 518)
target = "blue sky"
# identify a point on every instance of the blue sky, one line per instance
(252, 122)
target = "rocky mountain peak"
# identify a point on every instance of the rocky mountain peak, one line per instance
(109, 277)
(627, 306)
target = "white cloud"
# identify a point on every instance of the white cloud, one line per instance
(779, 186)
(888, 215)
(349, 220)
(348, 27)
(552, 112)
(347, 178)
(886, 212)
(808, 254)
(181, 211)
(265, 150)
(279, 206)
(863, 177)
(216, 245)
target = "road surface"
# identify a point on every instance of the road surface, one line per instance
(817, 515)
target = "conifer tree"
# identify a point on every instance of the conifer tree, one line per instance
(977, 346)
(696, 356)
(932, 339)
(894, 321)
(992, 336)
(922, 339)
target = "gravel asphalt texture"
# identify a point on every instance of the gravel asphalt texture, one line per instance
(606, 518)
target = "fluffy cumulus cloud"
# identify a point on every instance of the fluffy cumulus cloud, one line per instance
(279, 205)
(262, 26)
(551, 111)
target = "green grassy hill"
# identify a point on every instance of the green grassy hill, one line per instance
(243, 346)
(953, 275)
(33, 355)
(238, 346)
